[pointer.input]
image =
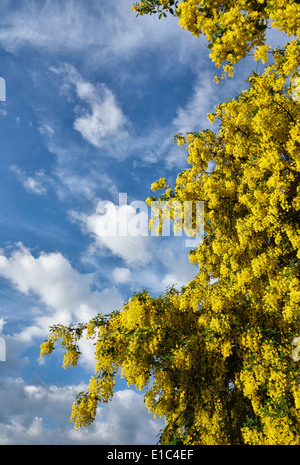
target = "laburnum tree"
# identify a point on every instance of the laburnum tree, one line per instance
(215, 358)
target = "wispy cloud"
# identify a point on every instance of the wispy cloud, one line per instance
(48, 25)
(38, 183)
(204, 96)
(109, 31)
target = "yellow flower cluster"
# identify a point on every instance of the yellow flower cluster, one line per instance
(261, 52)
(68, 342)
(233, 29)
(155, 6)
(159, 184)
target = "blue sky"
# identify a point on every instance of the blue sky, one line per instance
(94, 97)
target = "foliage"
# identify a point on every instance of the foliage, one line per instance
(214, 359)
(157, 6)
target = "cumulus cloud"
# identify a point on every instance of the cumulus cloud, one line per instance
(34, 414)
(65, 292)
(171, 266)
(148, 261)
(121, 230)
(121, 275)
(124, 421)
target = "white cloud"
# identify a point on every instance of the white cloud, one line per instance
(148, 261)
(103, 118)
(121, 275)
(74, 185)
(51, 25)
(113, 230)
(65, 292)
(171, 266)
(193, 116)
(125, 420)
(180, 270)
(108, 31)
(29, 409)
(46, 130)
(2, 323)
(37, 184)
